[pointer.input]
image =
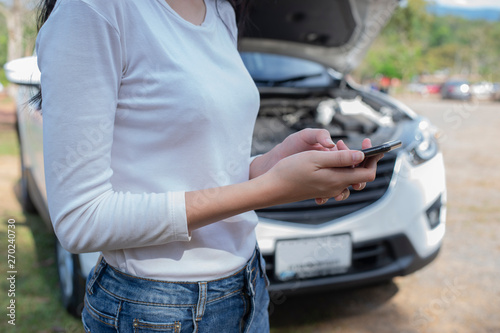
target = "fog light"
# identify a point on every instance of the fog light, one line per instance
(434, 213)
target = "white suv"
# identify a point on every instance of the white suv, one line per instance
(299, 53)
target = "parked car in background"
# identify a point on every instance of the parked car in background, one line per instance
(496, 91)
(424, 89)
(299, 55)
(456, 90)
(433, 88)
(483, 90)
(417, 88)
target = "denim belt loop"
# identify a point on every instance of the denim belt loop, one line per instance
(262, 265)
(202, 300)
(249, 272)
(97, 272)
(260, 261)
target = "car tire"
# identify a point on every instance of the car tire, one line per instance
(27, 204)
(71, 282)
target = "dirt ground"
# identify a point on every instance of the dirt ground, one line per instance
(459, 292)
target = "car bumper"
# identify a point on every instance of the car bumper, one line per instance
(407, 261)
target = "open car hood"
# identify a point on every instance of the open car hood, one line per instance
(335, 33)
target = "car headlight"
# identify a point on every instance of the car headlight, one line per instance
(425, 145)
(464, 88)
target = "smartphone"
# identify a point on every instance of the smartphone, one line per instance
(383, 148)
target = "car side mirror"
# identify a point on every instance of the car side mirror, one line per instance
(23, 71)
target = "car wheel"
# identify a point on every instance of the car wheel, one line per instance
(24, 195)
(72, 284)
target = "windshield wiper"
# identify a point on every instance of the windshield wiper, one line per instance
(275, 83)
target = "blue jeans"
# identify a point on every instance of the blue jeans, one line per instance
(119, 302)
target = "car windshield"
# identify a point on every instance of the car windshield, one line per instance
(284, 71)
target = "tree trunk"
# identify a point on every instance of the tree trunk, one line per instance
(15, 27)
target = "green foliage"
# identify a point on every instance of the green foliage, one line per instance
(30, 32)
(29, 35)
(3, 49)
(8, 140)
(415, 42)
(3, 40)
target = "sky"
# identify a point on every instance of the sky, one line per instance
(470, 3)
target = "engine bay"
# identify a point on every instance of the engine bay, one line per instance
(345, 113)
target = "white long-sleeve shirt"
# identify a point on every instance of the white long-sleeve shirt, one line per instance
(140, 106)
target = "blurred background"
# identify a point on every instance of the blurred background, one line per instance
(425, 44)
(442, 58)
(428, 43)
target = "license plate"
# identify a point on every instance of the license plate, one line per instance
(312, 257)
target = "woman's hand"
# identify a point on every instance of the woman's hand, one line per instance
(360, 186)
(304, 140)
(308, 140)
(318, 174)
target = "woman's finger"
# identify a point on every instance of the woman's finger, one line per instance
(342, 158)
(367, 143)
(359, 186)
(313, 137)
(321, 201)
(371, 162)
(341, 145)
(344, 195)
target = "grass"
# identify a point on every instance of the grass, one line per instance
(37, 296)
(38, 308)
(5, 100)
(8, 141)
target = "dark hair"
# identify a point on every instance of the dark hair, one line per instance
(242, 9)
(45, 7)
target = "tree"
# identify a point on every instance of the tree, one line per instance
(397, 51)
(415, 42)
(13, 15)
(18, 15)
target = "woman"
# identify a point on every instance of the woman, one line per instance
(148, 118)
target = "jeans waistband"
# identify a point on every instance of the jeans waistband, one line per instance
(143, 290)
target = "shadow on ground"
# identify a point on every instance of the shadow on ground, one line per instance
(289, 311)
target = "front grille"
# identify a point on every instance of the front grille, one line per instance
(308, 212)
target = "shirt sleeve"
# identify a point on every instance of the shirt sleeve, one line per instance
(81, 61)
